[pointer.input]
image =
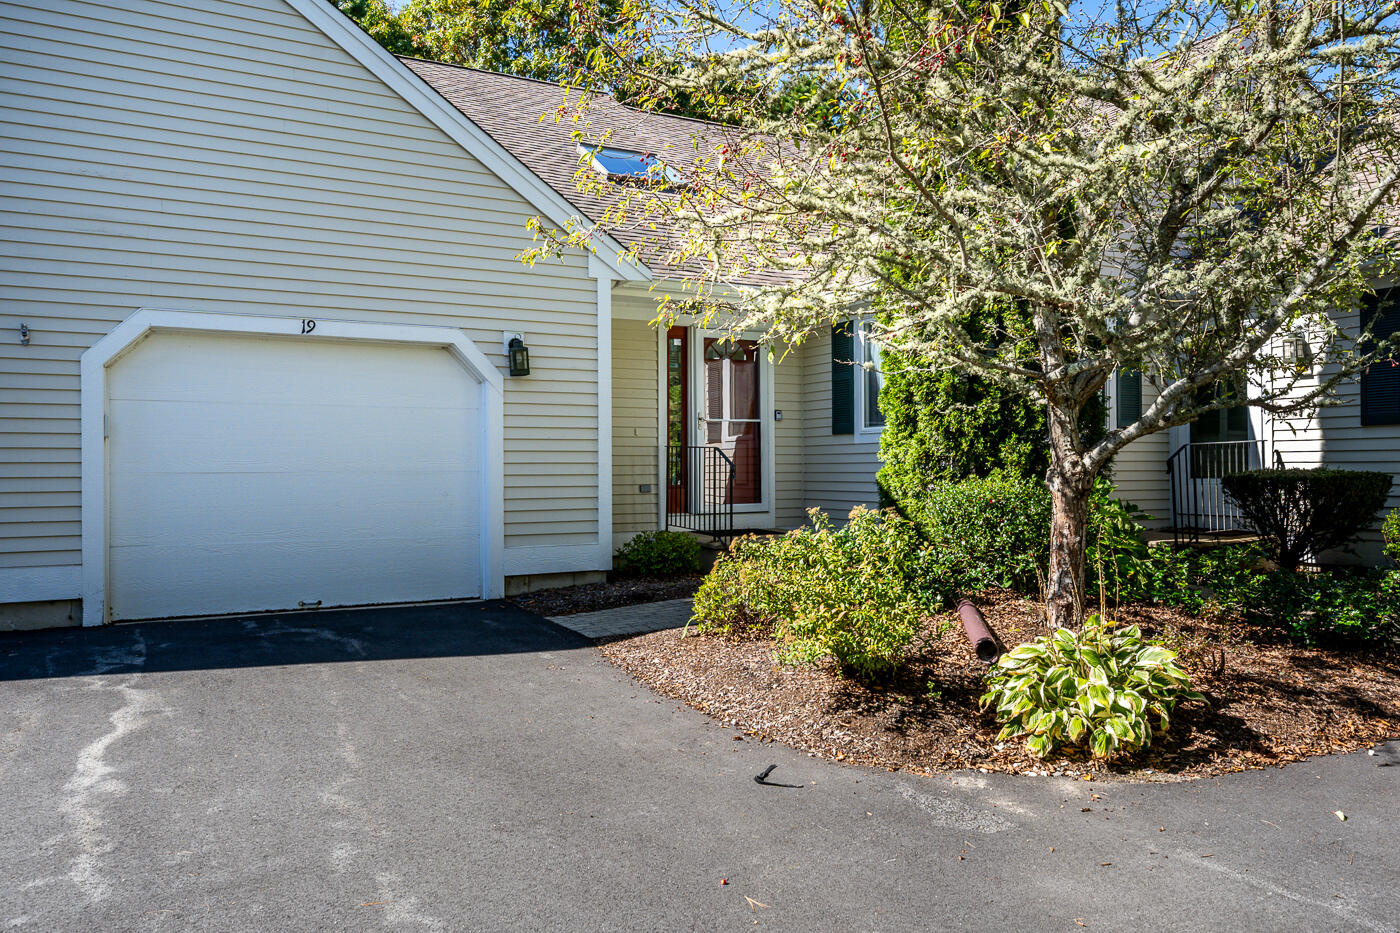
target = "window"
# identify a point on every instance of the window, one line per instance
(1127, 397)
(869, 380)
(628, 165)
(1380, 381)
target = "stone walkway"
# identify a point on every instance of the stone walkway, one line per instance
(628, 620)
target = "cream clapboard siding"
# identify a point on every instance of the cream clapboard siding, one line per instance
(636, 422)
(1140, 469)
(789, 449)
(839, 469)
(1334, 436)
(228, 157)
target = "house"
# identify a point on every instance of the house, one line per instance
(260, 286)
(1175, 475)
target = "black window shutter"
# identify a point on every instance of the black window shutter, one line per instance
(1128, 394)
(1380, 381)
(843, 379)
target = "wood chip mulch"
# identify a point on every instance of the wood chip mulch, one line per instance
(590, 597)
(1267, 703)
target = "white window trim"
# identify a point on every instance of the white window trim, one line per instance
(859, 346)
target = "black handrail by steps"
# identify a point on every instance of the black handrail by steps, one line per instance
(704, 479)
(1198, 500)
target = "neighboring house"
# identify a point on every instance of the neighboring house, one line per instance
(259, 282)
(1175, 474)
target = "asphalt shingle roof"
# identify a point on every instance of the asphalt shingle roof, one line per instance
(508, 109)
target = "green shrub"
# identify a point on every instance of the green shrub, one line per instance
(1102, 686)
(658, 554)
(1306, 512)
(943, 426)
(1188, 579)
(1390, 529)
(1342, 608)
(856, 593)
(991, 531)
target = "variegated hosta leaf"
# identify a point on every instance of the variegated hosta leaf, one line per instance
(1097, 686)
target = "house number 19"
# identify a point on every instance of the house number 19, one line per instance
(307, 326)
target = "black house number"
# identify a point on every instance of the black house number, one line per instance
(307, 326)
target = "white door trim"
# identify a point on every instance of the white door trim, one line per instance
(101, 355)
(766, 508)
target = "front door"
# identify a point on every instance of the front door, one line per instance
(730, 412)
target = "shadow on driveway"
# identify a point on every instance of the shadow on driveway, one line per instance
(315, 637)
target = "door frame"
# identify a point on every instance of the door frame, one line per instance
(98, 358)
(767, 446)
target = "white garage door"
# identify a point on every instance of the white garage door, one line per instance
(259, 473)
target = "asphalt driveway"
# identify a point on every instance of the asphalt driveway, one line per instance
(474, 768)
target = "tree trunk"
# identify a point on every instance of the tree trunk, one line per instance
(1069, 521)
(1071, 487)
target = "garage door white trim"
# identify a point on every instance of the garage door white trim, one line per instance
(97, 359)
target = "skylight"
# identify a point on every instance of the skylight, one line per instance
(625, 164)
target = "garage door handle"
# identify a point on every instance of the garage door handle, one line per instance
(303, 604)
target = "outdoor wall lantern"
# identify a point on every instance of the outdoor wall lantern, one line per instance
(519, 357)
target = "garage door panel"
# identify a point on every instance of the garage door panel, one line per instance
(254, 474)
(300, 508)
(266, 369)
(284, 577)
(231, 438)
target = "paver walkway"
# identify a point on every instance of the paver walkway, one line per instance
(628, 620)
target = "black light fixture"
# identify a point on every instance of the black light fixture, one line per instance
(519, 357)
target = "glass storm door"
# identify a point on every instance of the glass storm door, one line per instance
(729, 412)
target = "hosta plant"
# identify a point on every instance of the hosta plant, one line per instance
(1103, 686)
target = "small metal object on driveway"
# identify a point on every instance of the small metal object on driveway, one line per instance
(763, 779)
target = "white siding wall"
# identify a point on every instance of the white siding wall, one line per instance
(636, 423)
(839, 469)
(1140, 469)
(789, 379)
(226, 156)
(1335, 437)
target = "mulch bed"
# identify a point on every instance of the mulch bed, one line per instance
(1267, 703)
(590, 597)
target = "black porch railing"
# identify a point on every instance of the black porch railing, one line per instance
(1198, 500)
(700, 490)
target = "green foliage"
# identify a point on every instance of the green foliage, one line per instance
(945, 425)
(382, 24)
(1390, 529)
(1338, 608)
(855, 593)
(993, 532)
(658, 554)
(1306, 512)
(1103, 687)
(531, 38)
(988, 531)
(1224, 579)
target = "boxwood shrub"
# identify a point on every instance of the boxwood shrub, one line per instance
(1306, 512)
(658, 554)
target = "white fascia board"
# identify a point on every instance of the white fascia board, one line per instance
(345, 33)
